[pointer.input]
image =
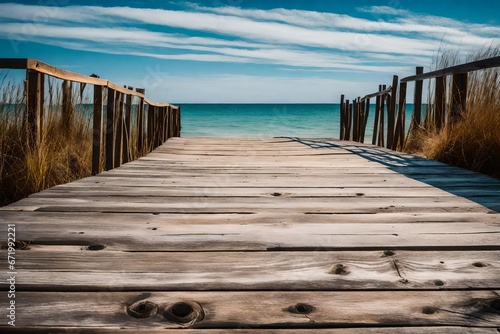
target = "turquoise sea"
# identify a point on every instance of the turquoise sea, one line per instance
(267, 120)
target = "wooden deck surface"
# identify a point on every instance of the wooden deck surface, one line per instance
(275, 235)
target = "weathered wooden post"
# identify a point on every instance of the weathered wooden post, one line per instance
(381, 129)
(178, 121)
(68, 112)
(400, 123)
(439, 102)
(342, 117)
(361, 120)
(110, 129)
(140, 121)
(165, 124)
(97, 132)
(348, 120)
(150, 133)
(417, 100)
(367, 114)
(355, 120)
(170, 122)
(127, 128)
(34, 107)
(377, 117)
(119, 129)
(391, 112)
(156, 126)
(458, 97)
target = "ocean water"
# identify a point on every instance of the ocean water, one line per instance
(267, 120)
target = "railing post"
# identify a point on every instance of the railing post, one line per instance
(342, 117)
(68, 111)
(440, 102)
(178, 121)
(377, 117)
(359, 108)
(417, 100)
(355, 120)
(34, 107)
(381, 129)
(119, 129)
(349, 120)
(166, 124)
(140, 121)
(458, 97)
(127, 135)
(97, 132)
(156, 126)
(391, 112)
(366, 115)
(170, 122)
(400, 124)
(110, 129)
(151, 111)
(361, 120)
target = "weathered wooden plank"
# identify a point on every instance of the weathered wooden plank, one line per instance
(358, 204)
(141, 166)
(162, 235)
(85, 220)
(458, 69)
(276, 309)
(68, 268)
(243, 218)
(247, 329)
(353, 181)
(144, 191)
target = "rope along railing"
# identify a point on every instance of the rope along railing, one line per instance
(449, 105)
(155, 122)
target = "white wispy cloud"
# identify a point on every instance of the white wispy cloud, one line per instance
(295, 38)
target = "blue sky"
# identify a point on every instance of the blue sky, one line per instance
(242, 50)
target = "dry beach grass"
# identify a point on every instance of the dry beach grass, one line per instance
(62, 156)
(473, 142)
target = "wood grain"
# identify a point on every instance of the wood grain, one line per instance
(261, 235)
(264, 309)
(73, 268)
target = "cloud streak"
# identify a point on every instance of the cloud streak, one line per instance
(293, 38)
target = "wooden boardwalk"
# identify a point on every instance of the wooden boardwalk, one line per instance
(275, 235)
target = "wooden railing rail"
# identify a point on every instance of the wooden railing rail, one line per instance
(351, 128)
(163, 119)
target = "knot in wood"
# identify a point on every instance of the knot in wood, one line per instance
(495, 304)
(301, 308)
(142, 309)
(339, 269)
(479, 264)
(438, 283)
(186, 313)
(95, 247)
(429, 310)
(389, 253)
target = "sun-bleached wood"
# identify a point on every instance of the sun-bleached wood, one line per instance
(285, 234)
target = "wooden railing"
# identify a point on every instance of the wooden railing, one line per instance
(354, 116)
(156, 122)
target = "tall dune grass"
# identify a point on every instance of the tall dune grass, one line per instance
(473, 142)
(61, 156)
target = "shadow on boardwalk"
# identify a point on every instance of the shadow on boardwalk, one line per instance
(475, 187)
